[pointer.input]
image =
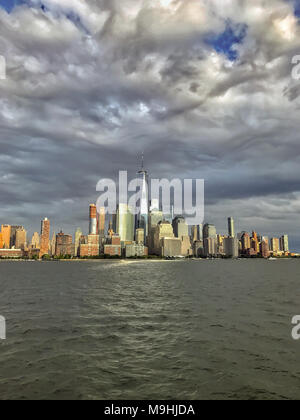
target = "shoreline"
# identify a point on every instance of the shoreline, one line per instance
(146, 260)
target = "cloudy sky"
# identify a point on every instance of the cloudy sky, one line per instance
(202, 87)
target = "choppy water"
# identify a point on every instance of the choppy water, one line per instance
(151, 330)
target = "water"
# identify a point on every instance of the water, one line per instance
(149, 330)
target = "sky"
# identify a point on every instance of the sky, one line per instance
(203, 87)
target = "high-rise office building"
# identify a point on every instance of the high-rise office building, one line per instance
(101, 222)
(264, 248)
(284, 243)
(78, 235)
(45, 237)
(197, 233)
(13, 232)
(35, 241)
(231, 230)
(209, 231)
(163, 230)
(125, 223)
(180, 227)
(275, 245)
(93, 220)
(246, 242)
(6, 234)
(53, 245)
(210, 246)
(155, 217)
(231, 247)
(143, 215)
(20, 239)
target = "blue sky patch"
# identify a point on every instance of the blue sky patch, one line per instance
(297, 7)
(224, 43)
(8, 5)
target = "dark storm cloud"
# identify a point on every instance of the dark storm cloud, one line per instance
(91, 85)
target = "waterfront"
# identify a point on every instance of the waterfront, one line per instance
(149, 329)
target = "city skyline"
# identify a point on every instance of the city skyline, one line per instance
(121, 235)
(126, 226)
(215, 100)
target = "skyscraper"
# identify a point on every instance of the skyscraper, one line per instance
(13, 233)
(209, 240)
(284, 243)
(45, 236)
(78, 235)
(125, 223)
(93, 220)
(231, 247)
(231, 230)
(35, 241)
(6, 233)
(155, 217)
(246, 242)
(101, 222)
(164, 230)
(21, 239)
(210, 247)
(264, 248)
(53, 244)
(143, 215)
(180, 227)
(209, 231)
(275, 245)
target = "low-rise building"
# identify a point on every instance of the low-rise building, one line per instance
(113, 250)
(170, 247)
(90, 246)
(136, 250)
(11, 253)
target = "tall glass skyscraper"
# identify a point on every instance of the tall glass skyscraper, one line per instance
(231, 231)
(125, 223)
(142, 217)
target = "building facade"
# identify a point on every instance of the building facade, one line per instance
(64, 245)
(45, 237)
(125, 223)
(180, 227)
(231, 229)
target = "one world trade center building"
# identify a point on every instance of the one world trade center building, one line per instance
(143, 215)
